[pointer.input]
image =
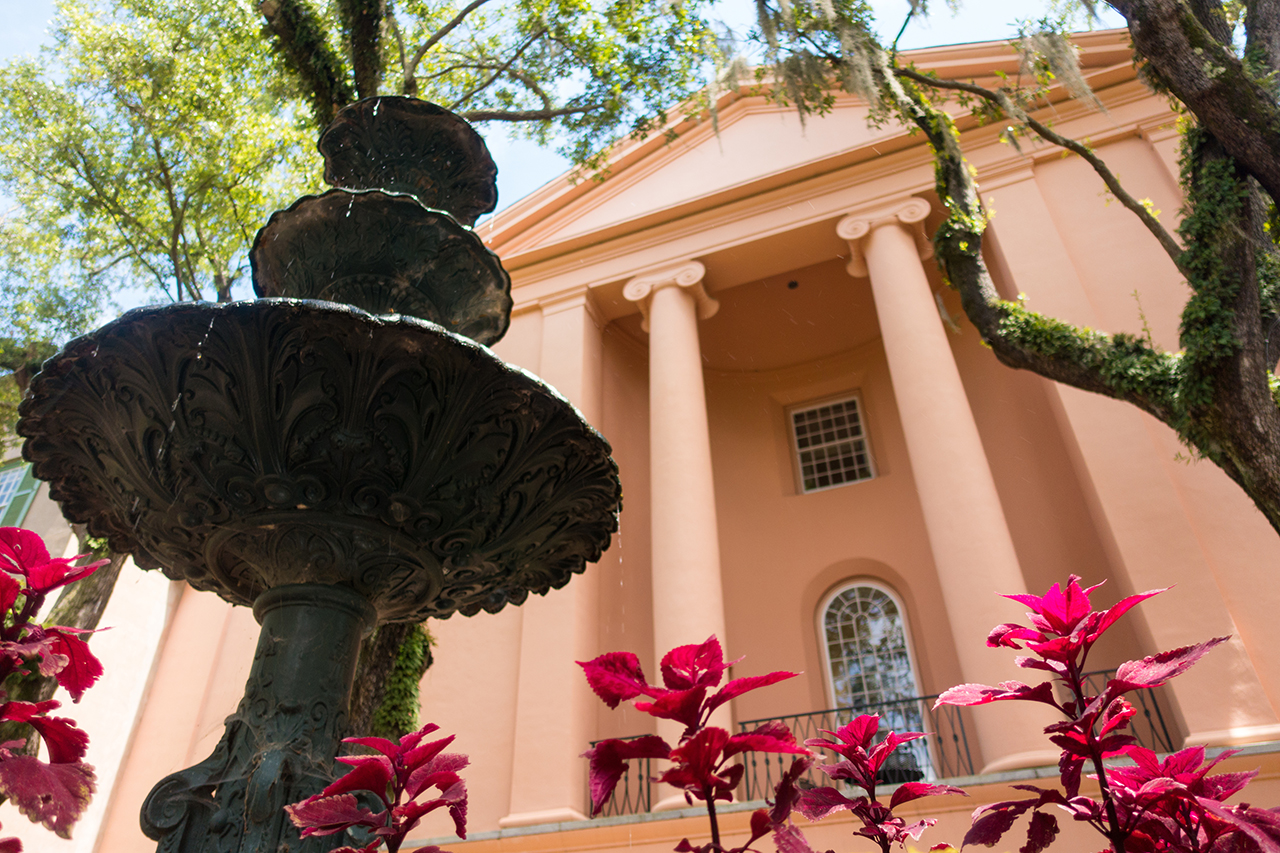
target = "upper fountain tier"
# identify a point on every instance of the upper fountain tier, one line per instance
(389, 239)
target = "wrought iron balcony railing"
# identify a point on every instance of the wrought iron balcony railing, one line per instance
(945, 754)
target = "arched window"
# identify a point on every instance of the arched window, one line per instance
(864, 634)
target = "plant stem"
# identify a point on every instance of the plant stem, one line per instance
(711, 814)
(1116, 835)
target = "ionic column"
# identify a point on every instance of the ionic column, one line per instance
(970, 540)
(555, 709)
(688, 602)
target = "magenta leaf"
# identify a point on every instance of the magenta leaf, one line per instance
(608, 761)
(10, 589)
(368, 773)
(908, 791)
(1063, 609)
(817, 803)
(787, 793)
(324, 815)
(439, 772)
(683, 706)
(616, 677)
(701, 665)
(381, 744)
(65, 742)
(52, 794)
(789, 839)
(21, 712)
(82, 667)
(1009, 633)
(55, 573)
(738, 686)
(1108, 617)
(1259, 825)
(10, 845)
(990, 823)
(1157, 669)
(21, 550)
(1041, 832)
(981, 694)
(881, 751)
(773, 736)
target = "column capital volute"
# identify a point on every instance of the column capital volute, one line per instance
(855, 227)
(687, 274)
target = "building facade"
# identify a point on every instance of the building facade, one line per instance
(822, 465)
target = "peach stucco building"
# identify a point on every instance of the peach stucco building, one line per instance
(821, 462)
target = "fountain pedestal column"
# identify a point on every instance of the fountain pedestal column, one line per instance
(279, 745)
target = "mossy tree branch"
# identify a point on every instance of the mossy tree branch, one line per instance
(300, 39)
(362, 26)
(1202, 70)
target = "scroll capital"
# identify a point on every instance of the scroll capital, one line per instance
(855, 227)
(687, 274)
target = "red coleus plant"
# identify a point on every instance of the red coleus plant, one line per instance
(702, 762)
(397, 776)
(1172, 806)
(54, 792)
(859, 766)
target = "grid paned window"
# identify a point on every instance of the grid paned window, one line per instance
(831, 446)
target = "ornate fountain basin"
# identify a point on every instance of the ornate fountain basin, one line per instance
(246, 446)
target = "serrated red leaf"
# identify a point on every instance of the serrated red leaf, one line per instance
(21, 550)
(1155, 670)
(1041, 832)
(698, 665)
(616, 677)
(325, 815)
(817, 803)
(82, 667)
(373, 773)
(51, 794)
(738, 686)
(65, 742)
(908, 791)
(608, 761)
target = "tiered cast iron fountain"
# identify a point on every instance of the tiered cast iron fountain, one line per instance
(339, 453)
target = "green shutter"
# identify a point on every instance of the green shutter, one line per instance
(22, 498)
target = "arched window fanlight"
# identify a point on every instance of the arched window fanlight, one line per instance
(863, 633)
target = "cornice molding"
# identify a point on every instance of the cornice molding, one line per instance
(688, 274)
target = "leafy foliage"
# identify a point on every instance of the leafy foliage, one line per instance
(701, 762)
(54, 792)
(1154, 806)
(575, 70)
(397, 775)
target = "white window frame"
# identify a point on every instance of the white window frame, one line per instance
(798, 463)
(922, 750)
(821, 628)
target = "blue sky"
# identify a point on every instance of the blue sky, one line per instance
(26, 23)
